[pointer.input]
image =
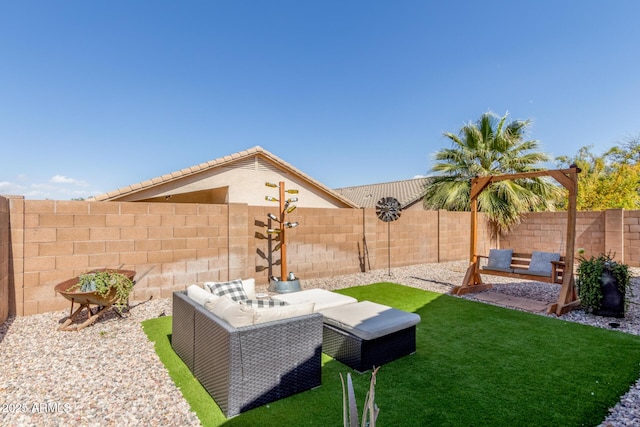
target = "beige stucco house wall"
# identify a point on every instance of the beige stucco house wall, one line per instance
(238, 178)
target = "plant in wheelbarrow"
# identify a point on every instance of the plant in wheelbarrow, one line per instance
(108, 284)
(103, 288)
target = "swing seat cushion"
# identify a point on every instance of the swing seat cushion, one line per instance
(540, 264)
(500, 260)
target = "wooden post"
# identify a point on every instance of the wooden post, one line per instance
(283, 240)
(472, 281)
(568, 299)
(474, 230)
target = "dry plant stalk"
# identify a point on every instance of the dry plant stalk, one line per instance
(350, 410)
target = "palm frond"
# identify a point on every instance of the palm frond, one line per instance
(491, 146)
(447, 193)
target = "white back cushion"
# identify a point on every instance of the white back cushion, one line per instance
(198, 294)
(269, 314)
(249, 286)
(237, 315)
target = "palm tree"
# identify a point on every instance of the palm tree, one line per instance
(491, 146)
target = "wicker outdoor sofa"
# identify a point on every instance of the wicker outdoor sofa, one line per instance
(248, 366)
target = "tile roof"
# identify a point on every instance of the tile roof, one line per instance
(407, 192)
(222, 161)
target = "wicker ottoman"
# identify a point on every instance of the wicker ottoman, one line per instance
(365, 334)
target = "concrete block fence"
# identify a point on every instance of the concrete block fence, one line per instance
(5, 256)
(613, 231)
(43, 242)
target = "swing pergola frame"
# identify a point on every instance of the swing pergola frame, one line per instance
(568, 178)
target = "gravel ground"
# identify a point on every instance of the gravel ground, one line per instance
(53, 378)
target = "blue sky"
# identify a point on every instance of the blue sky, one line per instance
(98, 95)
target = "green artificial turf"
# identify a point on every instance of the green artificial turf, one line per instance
(475, 365)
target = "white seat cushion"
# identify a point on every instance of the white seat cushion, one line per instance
(269, 314)
(369, 320)
(322, 299)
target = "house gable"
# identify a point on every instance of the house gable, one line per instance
(238, 178)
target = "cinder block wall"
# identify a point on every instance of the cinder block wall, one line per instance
(180, 243)
(631, 236)
(410, 240)
(547, 231)
(46, 242)
(5, 247)
(454, 235)
(326, 242)
(590, 233)
(343, 241)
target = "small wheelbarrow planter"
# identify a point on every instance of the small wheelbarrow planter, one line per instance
(70, 290)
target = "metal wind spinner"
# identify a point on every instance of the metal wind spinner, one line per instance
(388, 209)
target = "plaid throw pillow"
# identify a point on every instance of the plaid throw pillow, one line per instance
(263, 303)
(232, 289)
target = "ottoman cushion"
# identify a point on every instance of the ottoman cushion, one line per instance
(369, 320)
(322, 299)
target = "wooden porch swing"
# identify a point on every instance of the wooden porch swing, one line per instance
(562, 271)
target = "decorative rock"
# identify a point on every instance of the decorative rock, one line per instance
(108, 374)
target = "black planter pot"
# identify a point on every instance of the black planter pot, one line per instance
(612, 304)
